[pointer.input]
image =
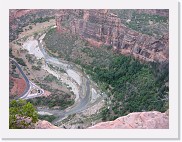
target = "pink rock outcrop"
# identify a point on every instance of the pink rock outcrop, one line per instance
(137, 120)
(42, 124)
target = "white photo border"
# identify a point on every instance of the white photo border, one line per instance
(171, 133)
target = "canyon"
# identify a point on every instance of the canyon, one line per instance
(107, 34)
(100, 27)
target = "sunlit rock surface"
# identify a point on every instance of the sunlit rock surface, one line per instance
(137, 120)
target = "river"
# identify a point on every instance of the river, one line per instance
(85, 97)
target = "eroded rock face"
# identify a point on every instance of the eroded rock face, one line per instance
(137, 120)
(101, 27)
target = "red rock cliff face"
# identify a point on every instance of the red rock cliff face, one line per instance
(101, 27)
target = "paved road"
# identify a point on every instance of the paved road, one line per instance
(25, 78)
(82, 105)
(78, 106)
(29, 84)
(30, 96)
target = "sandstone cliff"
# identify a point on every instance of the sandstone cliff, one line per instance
(101, 27)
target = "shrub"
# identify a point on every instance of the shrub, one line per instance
(20, 61)
(20, 110)
(30, 27)
(36, 67)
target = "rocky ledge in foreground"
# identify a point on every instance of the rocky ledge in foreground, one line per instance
(42, 124)
(137, 120)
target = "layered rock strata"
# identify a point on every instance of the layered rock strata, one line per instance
(101, 27)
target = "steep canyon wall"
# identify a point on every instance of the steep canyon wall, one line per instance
(101, 27)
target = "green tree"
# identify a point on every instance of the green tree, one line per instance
(30, 27)
(19, 110)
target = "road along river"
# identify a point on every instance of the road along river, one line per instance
(85, 90)
(29, 85)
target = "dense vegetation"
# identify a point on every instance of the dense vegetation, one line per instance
(60, 100)
(130, 85)
(18, 112)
